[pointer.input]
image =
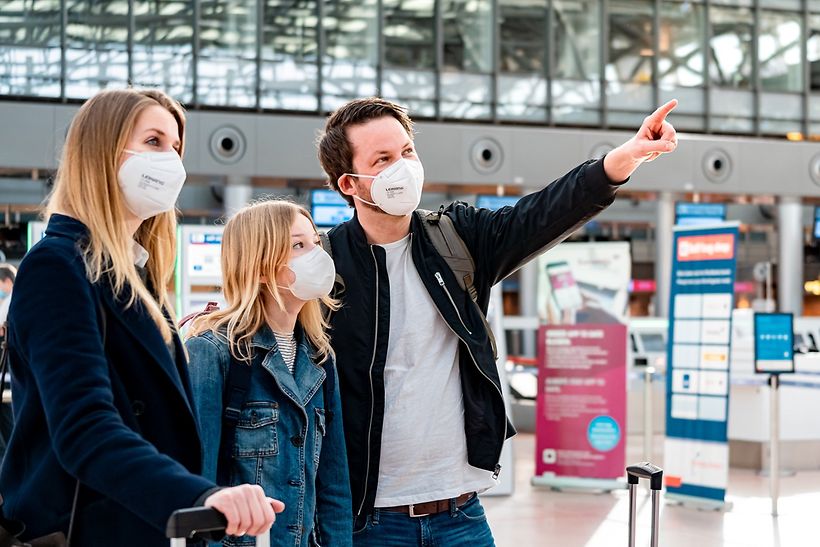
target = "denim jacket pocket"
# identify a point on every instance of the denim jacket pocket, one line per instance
(320, 433)
(256, 430)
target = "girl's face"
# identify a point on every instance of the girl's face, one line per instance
(303, 238)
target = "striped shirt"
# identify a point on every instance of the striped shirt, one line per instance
(286, 342)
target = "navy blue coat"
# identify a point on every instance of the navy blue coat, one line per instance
(117, 414)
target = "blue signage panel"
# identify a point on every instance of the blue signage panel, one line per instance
(699, 214)
(328, 208)
(774, 342)
(697, 387)
(495, 202)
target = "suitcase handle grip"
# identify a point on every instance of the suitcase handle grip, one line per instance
(645, 470)
(185, 523)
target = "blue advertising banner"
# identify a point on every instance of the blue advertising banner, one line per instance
(774, 342)
(697, 386)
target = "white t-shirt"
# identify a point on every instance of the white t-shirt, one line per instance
(424, 447)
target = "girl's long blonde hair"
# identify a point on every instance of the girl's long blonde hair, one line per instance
(87, 188)
(256, 245)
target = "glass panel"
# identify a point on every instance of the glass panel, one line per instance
(290, 48)
(409, 41)
(227, 57)
(631, 40)
(576, 103)
(415, 89)
(523, 31)
(409, 34)
(628, 104)
(96, 47)
(782, 113)
(468, 31)
(577, 54)
(30, 48)
(522, 98)
(731, 47)
(349, 64)
(813, 48)
(779, 51)
(163, 47)
(814, 5)
(680, 60)
(782, 4)
(465, 95)
(732, 110)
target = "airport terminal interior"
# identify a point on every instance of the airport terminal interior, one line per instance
(508, 95)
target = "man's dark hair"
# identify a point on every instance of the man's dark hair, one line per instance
(335, 152)
(7, 272)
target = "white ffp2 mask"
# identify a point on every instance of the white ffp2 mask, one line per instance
(397, 189)
(315, 274)
(151, 182)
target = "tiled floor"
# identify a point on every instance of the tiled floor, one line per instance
(538, 516)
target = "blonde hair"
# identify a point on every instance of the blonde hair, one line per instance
(256, 244)
(87, 189)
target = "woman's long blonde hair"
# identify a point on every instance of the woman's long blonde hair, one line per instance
(87, 188)
(256, 245)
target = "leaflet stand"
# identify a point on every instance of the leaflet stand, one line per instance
(648, 372)
(774, 355)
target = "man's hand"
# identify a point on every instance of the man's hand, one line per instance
(655, 137)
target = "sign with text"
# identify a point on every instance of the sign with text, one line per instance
(581, 405)
(697, 386)
(774, 343)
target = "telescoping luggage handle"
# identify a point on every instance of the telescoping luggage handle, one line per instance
(186, 523)
(634, 473)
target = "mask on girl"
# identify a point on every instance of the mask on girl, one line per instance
(315, 274)
(151, 182)
(397, 189)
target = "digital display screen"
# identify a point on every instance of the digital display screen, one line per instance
(564, 288)
(328, 208)
(204, 251)
(495, 202)
(816, 223)
(697, 214)
(774, 342)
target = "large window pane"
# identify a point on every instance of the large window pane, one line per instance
(227, 62)
(96, 47)
(290, 46)
(465, 95)
(731, 47)
(681, 64)
(522, 84)
(576, 85)
(163, 47)
(468, 49)
(30, 48)
(410, 55)
(349, 64)
(814, 67)
(629, 66)
(779, 51)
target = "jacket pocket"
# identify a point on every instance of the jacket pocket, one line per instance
(256, 430)
(319, 435)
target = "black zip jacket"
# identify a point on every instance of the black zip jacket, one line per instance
(499, 242)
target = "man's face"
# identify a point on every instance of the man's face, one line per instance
(375, 144)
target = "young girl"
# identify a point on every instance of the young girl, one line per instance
(105, 445)
(264, 377)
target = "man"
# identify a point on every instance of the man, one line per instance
(7, 275)
(421, 398)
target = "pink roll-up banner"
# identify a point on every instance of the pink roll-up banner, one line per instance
(581, 405)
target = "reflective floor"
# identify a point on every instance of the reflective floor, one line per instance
(540, 516)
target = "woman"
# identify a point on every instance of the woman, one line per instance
(268, 356)
(106, 441)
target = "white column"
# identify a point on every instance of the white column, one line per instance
(238, 192)
(528, 298)
(663, 251)
(790, 255)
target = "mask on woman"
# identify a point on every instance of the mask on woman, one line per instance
(151, 182)
(315, 274)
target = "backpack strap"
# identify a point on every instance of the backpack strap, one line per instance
(328, 248)
(233, 399)
(209, 307)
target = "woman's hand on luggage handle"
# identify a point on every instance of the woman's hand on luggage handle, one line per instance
(247, 509)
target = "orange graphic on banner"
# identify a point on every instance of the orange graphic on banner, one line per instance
(711, 247)
(673, 482)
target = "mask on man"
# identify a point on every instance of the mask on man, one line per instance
(151, 182)
(397, 189)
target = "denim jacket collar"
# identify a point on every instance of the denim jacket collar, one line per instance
(307, 376)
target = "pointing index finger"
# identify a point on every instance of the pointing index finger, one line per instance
(658, 116)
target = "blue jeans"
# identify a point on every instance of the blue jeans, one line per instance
(460, 526)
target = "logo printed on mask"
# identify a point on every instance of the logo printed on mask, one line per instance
(151, 182)
(397, 189)
(315, 274)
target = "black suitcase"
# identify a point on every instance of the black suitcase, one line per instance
(634, 473)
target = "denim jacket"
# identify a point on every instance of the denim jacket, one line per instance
(285, 442)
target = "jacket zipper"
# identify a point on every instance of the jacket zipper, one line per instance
(466, 345)
(370, 373)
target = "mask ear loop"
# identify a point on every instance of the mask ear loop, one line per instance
(366, 177)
